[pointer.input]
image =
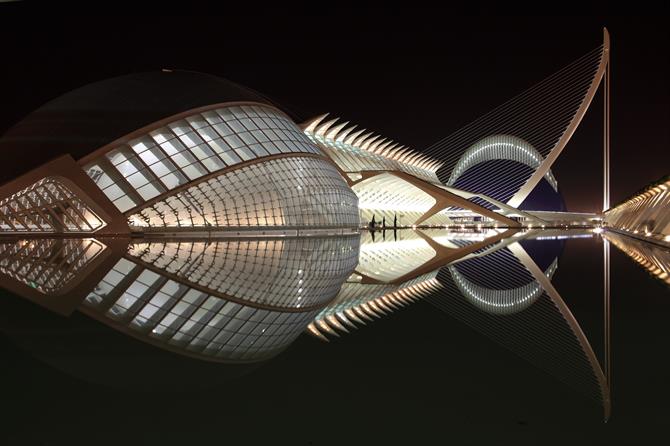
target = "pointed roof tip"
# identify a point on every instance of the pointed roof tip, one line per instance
(335, 323)
(406, 157)
(383, 306)
(390, 150)
(351, 138)
(311, 329)
(380, 149)
(400, 153)
(427, 162)
(376, 307)
(363, 314)
(366, 144)
(369, 141)
(352, 314)
(367, 308)
(435, 165)
(343, 134)
(373, 147)
(342, 318)
(310, 125)
(412, 158)
(358, 141)
(325, 327)
(397, 300)
(323, 128)
(333, 132)
(389, 302)
(422, 161)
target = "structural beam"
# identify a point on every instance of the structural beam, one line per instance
(544, 167)
(443, 198)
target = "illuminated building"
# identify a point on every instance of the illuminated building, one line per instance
(227, 301)
(645, 215)
(214, 156)
(178, 151)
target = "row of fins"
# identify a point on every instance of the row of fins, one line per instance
(655, 267)
(368, 141)
(336, 323)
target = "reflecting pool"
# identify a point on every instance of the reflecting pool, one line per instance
(379, 335)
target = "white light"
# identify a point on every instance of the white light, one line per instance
(598, 230)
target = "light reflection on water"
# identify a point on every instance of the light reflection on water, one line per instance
(244, 301)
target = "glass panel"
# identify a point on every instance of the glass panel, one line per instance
(180, 127)
(162, 135)
(230, 157)
(124, 203)
(245, 153)
(213, 163)
(191, 139)
(148, 191)
(137, 180)
(197, 121)
(152, 156)
(194, 171)
(212, 117)
(173, 180)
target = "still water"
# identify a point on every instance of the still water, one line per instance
(413, 336)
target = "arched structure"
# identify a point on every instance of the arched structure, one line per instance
(196, 160)
(545, 116)
(494, 148)
(233, 301)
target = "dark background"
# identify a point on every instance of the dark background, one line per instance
(416, 376)
(414, 75)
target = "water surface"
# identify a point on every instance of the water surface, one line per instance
(466, 337)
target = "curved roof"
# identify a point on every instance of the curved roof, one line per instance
(96, 114)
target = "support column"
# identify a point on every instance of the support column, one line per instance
(606, 134)
(607, 312)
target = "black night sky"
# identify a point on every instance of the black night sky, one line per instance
(414, 75)
(416, 376)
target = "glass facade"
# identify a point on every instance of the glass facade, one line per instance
(171, 313)
(285, 273)
(387, 260)
(238, 300)
(358, 302)
(290, 192)
(47, 206)
(355, 159)
(388, 197)
(47, 265)
(644, 215)
(187, 149)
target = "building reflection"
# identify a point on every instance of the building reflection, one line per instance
(506, 294)
(226, 300)
(241, 301)
(654, 258)
(392, 273)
